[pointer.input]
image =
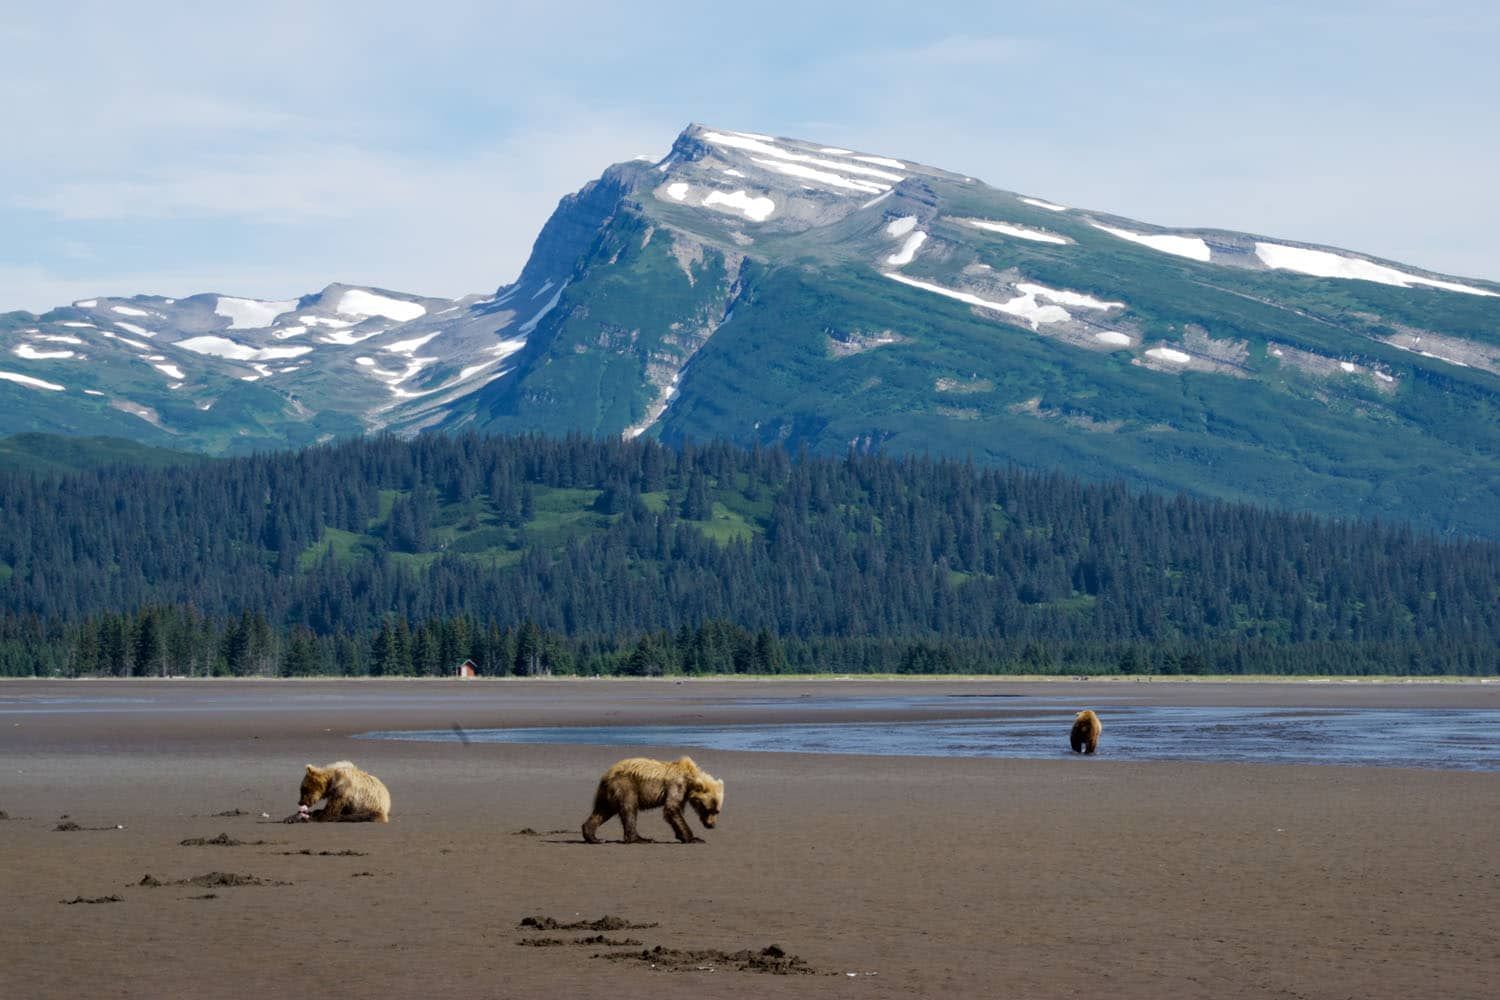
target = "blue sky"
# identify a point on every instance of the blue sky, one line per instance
(419, 146)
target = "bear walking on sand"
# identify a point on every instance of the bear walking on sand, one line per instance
(354, 796)
(1086, 730)
(642, 783)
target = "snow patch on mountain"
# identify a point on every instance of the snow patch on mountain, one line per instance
(29, 382)
(223, 347)
(139, 331)
(678, 190)
(1170, 354)
(250, 314)
(172, 371)
(129, 311)
(359, 302)
(901, 226)
(1113, 338)
(1020, 232)
(908, 251)
(530, 324)
(1190, 247)
(1024, 306)
(32, 353)
(1049, 206)
(1323, 264)
(754, 208)
(409, 346)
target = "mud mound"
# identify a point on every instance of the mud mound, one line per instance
(67, 826)
(91, 899)
(329, 854)
(605, 923)
(363, 875)
(210, 880)
(541, 942)
(770, 959)
(525, 831)
(216, 879)
(223, 840)
(605, 942)
(230, 812)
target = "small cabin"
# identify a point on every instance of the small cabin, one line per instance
(468, 668)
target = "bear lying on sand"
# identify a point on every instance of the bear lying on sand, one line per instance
(1086, 730)
(642, 783)
(354, 796)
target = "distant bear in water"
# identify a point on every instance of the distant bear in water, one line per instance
(1086, 730)
(642, 783)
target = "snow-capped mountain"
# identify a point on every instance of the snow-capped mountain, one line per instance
(768, 289)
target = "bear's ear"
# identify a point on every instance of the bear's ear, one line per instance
(312, 769)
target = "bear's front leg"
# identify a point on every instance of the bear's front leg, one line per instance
(680, 826)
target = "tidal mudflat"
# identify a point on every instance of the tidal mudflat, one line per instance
(924, 875)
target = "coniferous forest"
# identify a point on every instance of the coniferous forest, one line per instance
(534, 555)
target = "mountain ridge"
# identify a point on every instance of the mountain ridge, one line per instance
(765, 289)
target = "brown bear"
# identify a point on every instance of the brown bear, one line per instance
(354, 796)
(1086, 730)
(642, 783)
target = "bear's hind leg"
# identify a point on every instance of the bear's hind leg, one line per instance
(602, 814)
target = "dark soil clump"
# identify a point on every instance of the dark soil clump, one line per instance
(602, 941)
(541, 942)
(211, 880)
(329, 854)
(771, 959)
(91, 899)
(231, 812)
(222, 840)
(525, 831)
(67, 826)
(605, 923)
(215, 879)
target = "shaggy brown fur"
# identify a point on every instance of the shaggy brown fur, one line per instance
(642, 783)
(354, 796)
(1086, 730)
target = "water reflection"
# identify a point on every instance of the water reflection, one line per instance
(1449, 739)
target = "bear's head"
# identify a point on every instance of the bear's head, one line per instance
(707, 798)
(314, 785)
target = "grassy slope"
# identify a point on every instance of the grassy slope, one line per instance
(58, 453)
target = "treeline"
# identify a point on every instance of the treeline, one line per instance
(859, 564)
(175, 642)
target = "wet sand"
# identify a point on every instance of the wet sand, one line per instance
(925, 876)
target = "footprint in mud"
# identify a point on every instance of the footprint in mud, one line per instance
(771, 959)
